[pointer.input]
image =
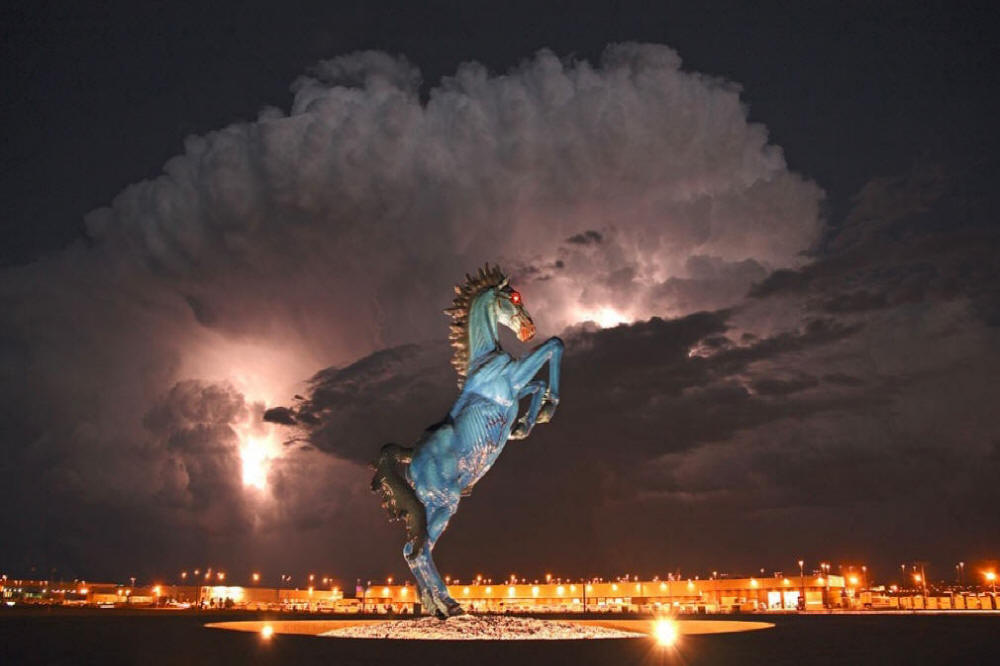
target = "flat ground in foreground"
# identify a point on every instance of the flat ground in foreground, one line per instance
(154, 638)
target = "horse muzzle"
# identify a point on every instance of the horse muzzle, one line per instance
(526, 331)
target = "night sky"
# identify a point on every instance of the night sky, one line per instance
(769, 236)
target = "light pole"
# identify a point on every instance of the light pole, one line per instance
(825, 566)
(991, 577)
(802, 584)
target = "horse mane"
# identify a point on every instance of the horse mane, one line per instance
(465, 293)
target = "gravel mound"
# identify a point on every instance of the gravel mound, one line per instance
(479, 628)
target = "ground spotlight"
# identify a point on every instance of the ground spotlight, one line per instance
(665, 632)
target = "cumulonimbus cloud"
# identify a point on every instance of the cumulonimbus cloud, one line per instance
(311, 237)
(365, 200)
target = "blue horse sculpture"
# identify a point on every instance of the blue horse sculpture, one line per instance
(454, 454)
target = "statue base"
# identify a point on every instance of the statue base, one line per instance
(480, 628)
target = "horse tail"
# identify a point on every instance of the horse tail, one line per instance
(398, 496)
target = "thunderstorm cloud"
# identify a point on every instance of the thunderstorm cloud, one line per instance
(765, 362)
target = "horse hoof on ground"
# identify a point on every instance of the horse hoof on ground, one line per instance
(454, 609)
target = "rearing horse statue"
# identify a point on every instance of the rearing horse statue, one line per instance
(454, 454)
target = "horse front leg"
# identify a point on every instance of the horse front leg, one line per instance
(525, 369)
(524, 424)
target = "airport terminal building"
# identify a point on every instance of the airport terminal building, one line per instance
(693, 595)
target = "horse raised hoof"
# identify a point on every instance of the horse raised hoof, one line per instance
(548, 409)
(521, 430)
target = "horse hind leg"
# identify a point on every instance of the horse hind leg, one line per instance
(402, 503)
(418, 567)
(398, 496)
(444, 605)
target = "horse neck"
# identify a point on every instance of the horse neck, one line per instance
(482, 327)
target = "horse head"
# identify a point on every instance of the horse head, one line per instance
(510, 312)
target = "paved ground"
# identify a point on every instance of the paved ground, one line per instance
(113, 638)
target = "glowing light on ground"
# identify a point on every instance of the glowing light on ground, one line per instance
(266, 632)
(665, 632)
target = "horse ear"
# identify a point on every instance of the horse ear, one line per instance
(504, 283)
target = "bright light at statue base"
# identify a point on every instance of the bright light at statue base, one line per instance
(665, 632)
(266, 632)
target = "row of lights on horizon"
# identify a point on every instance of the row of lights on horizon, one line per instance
(990, 577)
(255, 577)
(852, 577)
(824, 569)
(513, 578)
(919, 577)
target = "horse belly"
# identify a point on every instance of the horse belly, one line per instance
(483, 433)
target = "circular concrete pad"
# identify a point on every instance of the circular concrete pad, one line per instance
(635, 628)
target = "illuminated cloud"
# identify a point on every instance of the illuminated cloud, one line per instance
(601, 186)
(142, 361)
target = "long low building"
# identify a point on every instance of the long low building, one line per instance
(694, 595)
(268, 597)
(206, 596)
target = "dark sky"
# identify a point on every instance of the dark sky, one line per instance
(794, 218)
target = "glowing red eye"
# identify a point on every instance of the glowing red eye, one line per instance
(515, 298)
